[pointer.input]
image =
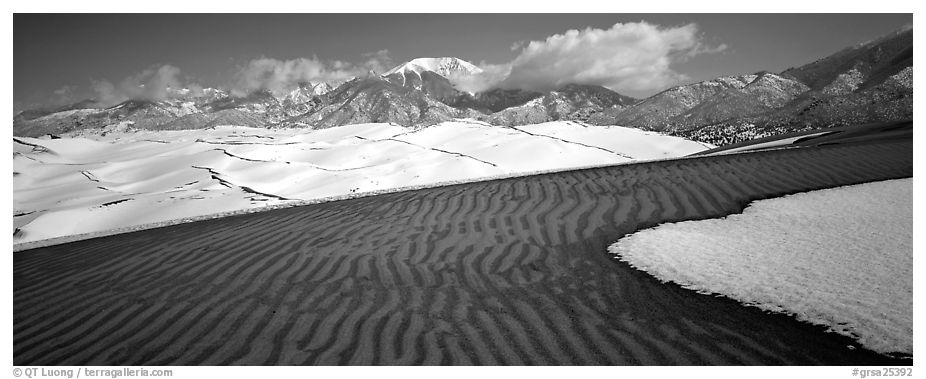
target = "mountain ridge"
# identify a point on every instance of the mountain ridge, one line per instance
(444, 66)
(867, 82)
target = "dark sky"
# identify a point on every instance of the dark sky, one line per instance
(51, 51)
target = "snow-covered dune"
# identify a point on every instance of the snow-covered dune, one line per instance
(839, 257)
(90, 183)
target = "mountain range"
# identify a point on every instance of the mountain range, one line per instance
(869, 82)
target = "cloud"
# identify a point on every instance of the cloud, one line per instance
(490, 76)
(66, 94)
(379, 61)
(196, 90)
(151, 84)
(282, 76)
(626, 57)
(66, 90)
(106, 92)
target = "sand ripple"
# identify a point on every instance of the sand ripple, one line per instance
(511, 271)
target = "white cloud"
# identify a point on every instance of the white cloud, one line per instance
(106, 92)
(281, 76)
(150, 84)
(378, 61)
(65, 90)
(628, 57)
(490, 76)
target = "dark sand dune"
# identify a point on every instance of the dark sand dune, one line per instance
(511, 271)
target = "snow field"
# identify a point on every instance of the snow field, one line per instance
(840, 257)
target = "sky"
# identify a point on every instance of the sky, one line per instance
(62, 58)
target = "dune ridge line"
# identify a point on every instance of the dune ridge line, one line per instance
(510, 271)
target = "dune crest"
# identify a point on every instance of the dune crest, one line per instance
(508, 271)
(92, 184)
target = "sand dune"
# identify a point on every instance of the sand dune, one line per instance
(96, 183)
(511, 271)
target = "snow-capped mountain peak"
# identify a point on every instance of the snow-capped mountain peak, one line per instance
(445, 66)
(304, 92)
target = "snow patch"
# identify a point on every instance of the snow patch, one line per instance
(845, 83)
(446, 67)
(840, 257)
